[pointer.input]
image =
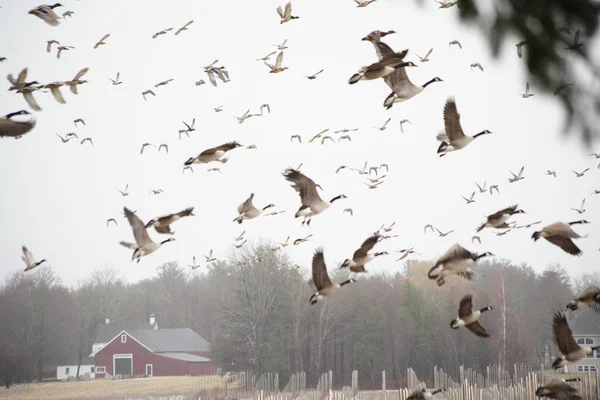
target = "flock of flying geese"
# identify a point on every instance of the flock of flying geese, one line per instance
(391, 67)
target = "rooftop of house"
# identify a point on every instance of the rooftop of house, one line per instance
(587, 322)
(106, 332)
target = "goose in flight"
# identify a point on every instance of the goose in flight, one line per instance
(406, 253)
(476, 65)
(143, 244)
(362, 255)
(60, 49)
(517, 178)
(247, 210)
(590, 296)
(55, 90)
(163, 32)
(63, 139)
(312, 204)
(423, 394)
(164, 83)
(163, 146)
(519, 47)
(155, 192)
(426, 58)
(49, 44)
(580, 210)
(318, 135)
(190, 127)
(384, 126)
(301, 240)
(268, 56)
(551, 172)
(456, 261)
(443, 234)
(482, 189)
(46, 13)
(281, 46)
(78, 120)
(580, 174)
(454, 138)
(402, 122)
(446, 4)
(163, 224)
(349, 211)
(76, 81)
(114, 221)
(492, 187)
(568, 347)
(124, 192)
(194, 265)
(101, 42)
(470, 199)
(314, 76)
(469, 318)
(498, 219)
(87, 139)
(144, 145)
(529, 225)
(320, 279)
(561, 234)
(557, 388)
(274, 69)
(213, 154)
(296, 137)
(145, 92)
(117, 80)
(210, 258)
(527, 93)
(29, 261)
(380, 69)
(12, 126)
(455, 43)
(184, 28)
(363, 3)
(286, 15)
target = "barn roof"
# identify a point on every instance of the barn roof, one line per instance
(106, 332)
(170, 340)
(185, 357)
(587, 322)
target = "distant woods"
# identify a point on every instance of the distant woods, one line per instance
(257, 317)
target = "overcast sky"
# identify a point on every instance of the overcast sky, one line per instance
(57, 197)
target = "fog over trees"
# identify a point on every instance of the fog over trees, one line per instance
(253, 308)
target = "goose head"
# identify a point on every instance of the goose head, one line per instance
(454, 324)
(536, 235)
(167, 240)
(346, 263)
(583, 221)
(486, 254)
(150, 223)
(269, 206)
(341, 196)
(484, 132)
(541, 391)
(43, 261)
(189, 161)
(519, 211)
(559, 362)
(56, 5)
(14, 114)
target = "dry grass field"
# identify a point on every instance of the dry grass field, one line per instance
(169, 387)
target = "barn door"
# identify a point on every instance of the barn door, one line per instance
(123, 365)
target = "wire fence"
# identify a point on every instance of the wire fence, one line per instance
(494, 384)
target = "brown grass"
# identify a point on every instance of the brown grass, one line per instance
(118, 388)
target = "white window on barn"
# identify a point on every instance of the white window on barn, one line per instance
(100, 370)
(123, 338)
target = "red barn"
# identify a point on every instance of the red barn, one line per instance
(154, 352)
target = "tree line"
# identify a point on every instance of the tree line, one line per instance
(253, 308)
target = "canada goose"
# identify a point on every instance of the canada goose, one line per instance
(428, 226)
(402, 122)
(200, 83)
(344, 137)
(517, 178)
(470, 199)
(443, 234)
(55, 90)
(296, 137)
(281, 46)
(240, 245)
(71, 135)
(373, 186)
(321, 280)
(164, 146)
(376, 179)
(406, 253)
(446, 4)
(78, 120)
(27, 92)
(312, 204)
(273, 213)
(155, 192)
(384, 126)
(64, 139)
(274, 69)
(87, 139)
(314, 76)
(454, 138)
(60, 49)
(560, 234)
(492, 187)
(246, 210)
(72, 84)
(286, 243)
(211, 170)
(49, 44)
(143, 244)
(519, 47)
(218, 109)
(287, 15)
(388, 228)
(214, 72)
(194, 265)
(162, 224)
(30, 262)
(426, 58)
(423, 394)
(210, 258)
(595, 155)
(346, 130)
(590, 296)
(164, 83)
(188, 168)
(503, 232)
(558, 389)
(374, 169)
(325, 138)
(190, 128)
(213, 154)
(265, 106)
(117, 80)
(362, 255)
(184, 28)
(380, 69)
(580, 174)
(46, 13)
(376, 36)
(550, 172)
(482, 189)
(470, 319)
(114, 221)
(576, 44)
(474, 238)
(596, 191)
(68, 14)
(268, 56)
(318, 135)
(163, 32)
(528, 225)
(125, 192)
(498, 219)
(19, 83)
(244, 117)
(580, 210)
(527, 94)
(476, 65)
(3, 59)
(144, 145)
(563, 337)
(456, 261)
(144, 93)
(11, 127)
(456, 43)
(101, 41)
(363, 3)
(349, 211)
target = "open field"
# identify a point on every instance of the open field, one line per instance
(168, 387)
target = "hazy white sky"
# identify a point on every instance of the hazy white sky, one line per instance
(57, 197)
